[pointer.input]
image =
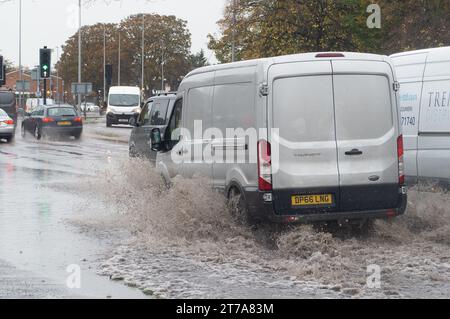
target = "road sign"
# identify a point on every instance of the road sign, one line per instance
(22, 86)
(81, 88)
(35, 75)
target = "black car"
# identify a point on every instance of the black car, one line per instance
(155, 114)
(53, 120)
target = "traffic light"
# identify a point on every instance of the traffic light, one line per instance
(108, 74)
(45, 62)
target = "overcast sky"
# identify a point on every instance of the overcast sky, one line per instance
(52, 22)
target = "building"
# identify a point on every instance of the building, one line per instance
(55, 86)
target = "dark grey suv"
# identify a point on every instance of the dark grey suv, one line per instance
(154, 114)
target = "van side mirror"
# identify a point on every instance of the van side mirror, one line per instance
(156, 140)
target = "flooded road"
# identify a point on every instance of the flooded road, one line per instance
(36, 241)
(85, 203)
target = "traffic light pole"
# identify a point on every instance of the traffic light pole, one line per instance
(45, 91)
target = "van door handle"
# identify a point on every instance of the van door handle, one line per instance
(354, 152)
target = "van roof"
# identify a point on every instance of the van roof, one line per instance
(124, 90)
(422, 63)
(289, 58)
(434, 51)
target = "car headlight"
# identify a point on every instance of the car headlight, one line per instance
(138, 110)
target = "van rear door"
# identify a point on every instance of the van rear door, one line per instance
(367, 130)
(305, 168)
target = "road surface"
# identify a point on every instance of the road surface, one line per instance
(86, 204)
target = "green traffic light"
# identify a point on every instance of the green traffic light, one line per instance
(45, 67)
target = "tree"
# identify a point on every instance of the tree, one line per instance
(269, 28)
(166, 40)
(198, 60)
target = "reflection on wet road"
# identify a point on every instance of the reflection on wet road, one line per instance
(35, 239)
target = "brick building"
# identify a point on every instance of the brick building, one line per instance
(52, 85)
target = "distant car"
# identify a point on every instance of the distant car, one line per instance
(155, 114)
(53, 120)
(90, 107)
(7, 126)
(8, 103)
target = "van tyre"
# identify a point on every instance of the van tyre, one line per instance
(239, 209)
(108, 123)
(77, 136)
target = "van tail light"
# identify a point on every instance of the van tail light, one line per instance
(78, 120)
(401, 161)
(48, 120)
(9, 122)
(264, 166)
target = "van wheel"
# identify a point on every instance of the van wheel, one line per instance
(108, 123)
(238, 207)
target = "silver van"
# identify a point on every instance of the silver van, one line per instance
(299, 138)
(424, 76)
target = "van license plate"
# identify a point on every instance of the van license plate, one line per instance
(312, 200)
(66, 123)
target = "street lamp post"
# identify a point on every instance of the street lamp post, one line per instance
(118, 67)
(20, 54)
(104, 64)
(79, 49)
(143, 51)
(233, 40)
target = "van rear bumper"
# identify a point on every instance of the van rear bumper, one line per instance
(261, 210)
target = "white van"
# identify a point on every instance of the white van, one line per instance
(425, 105)
(124, 104)
(328, 143)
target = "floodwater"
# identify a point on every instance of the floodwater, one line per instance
(86, 203)
(36, 241)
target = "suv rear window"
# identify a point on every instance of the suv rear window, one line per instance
(62, 111)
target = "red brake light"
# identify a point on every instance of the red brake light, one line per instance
(264, 166)
(48, 120)
(9, 122)
(401, 164)
(78, 119)
(330, 55)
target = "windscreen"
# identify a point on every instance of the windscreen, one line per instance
(63, 111)
(124, 100)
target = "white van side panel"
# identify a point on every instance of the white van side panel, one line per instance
(434, 130)
(410, 69)
(234, 108)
